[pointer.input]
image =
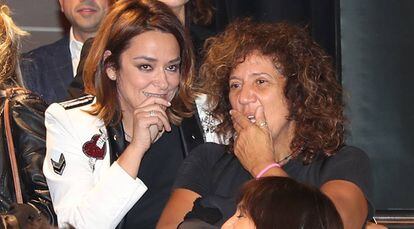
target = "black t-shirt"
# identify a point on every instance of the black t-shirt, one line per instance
(217, 175)
(158, 170)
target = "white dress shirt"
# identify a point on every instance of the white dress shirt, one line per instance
(75, 48)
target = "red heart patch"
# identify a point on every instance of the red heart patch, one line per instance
(91, 148)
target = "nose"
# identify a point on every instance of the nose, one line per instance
(247, 95)
(161, 81)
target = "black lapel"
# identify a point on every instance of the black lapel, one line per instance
(191, 133)
(76, 87)
(116, 141)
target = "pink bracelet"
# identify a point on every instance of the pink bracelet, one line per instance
(267, 169)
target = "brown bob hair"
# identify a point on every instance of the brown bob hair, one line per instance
(281, 202)
(312, 92)
(126, 20)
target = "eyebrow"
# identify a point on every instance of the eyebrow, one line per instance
(261, 73)
(151, 59)
(175, 61)
(253, 74)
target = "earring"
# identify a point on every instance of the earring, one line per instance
(111, 73)
(112, 76)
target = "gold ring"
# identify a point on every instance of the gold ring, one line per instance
(263, 124)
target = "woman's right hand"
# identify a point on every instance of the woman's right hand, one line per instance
(149, 122)
(253, 145)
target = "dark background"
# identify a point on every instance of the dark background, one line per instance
(377, 72)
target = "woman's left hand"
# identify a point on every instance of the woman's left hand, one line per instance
(253, 145)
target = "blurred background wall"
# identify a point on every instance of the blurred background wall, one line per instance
(41, 18)
(377, 73)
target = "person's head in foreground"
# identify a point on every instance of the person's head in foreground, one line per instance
(281, 202)
(276, 72)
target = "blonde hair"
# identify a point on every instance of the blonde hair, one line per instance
(9, 46)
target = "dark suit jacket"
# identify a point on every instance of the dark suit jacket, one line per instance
(47, 70)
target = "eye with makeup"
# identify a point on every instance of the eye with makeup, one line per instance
(144, 67)
(173, 67)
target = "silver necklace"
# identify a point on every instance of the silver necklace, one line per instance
(127, 136)
(286, 159)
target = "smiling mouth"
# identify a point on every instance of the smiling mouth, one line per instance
(147, 94)
(87, 10)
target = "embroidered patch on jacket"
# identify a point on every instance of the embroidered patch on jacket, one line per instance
(59, 166)
(95, 148)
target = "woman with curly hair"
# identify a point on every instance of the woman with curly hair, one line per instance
(275, 92)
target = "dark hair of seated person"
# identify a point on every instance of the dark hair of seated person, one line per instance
(272, 202)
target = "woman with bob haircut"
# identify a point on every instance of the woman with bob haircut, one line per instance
(281, 202)
(275, 93)
(112, 155)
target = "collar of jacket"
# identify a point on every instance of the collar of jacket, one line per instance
(116, 140)
(190, 135)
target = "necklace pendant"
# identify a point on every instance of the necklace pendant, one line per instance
(92, 162)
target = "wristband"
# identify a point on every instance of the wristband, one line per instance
(267, 169)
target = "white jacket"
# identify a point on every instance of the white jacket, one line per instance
(83, 196)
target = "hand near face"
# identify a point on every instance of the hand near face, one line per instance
(146, 80)
(149, 122)
(253, 145)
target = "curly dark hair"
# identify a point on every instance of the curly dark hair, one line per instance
(313, 94)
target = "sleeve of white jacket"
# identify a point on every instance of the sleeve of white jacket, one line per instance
(79, 198)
